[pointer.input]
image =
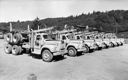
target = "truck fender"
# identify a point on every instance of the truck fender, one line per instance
(44, 48)
(88, 44)
(70, 46)
(49, 47)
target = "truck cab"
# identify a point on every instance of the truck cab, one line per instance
(46, 46)
(88, 40)
(74, 46)
(114, 40)
(100, 41)
(107, 41)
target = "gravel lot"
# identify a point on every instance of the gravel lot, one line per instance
(106, 64)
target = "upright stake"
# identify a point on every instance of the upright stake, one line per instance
(10, 27)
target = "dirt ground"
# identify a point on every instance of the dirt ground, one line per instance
(106, 64)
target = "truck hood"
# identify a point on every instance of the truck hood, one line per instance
(89, 41)
(76, 41)
(52, 42)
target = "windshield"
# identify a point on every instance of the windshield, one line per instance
(83, 37)
(38, 37)
(45, 36)
(49, 37)
(78, 37)
(71, 37)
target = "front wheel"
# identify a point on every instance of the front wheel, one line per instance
(112, 45)
(121, 43)
(87, 49)
(47, 56)
(72, 51)
(105, 46)
(97, 47)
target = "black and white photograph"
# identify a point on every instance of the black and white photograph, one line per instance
(63, 39)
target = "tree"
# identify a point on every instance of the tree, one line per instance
(35, 24)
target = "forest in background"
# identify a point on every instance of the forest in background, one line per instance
(115, 21)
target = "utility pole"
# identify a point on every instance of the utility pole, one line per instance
(38, 27)
(116, 27)
(10, 27)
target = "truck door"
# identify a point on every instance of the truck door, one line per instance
(37, 41)
(64, 38)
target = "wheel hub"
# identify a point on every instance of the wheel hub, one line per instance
(46, 56)
(71, 51)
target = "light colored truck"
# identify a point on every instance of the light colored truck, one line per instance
(108, 42)
(99, 41)
(122, 41)
(47, 47)
(38, 43)
(88, 40)
(113, 39)
(74, 46)
(119, 41)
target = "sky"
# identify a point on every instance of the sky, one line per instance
(23, 10)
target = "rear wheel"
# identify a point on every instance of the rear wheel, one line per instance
(17, 38)
(16, 50)
(8, 37)
(72, 51)
(8, 48)
(47, 56)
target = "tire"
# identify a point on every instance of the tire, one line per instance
(8, 48)
(47, 56)
(17, 38)
(97, 47)
(87, 49)
(121, 43)
(8, 37)
(16, 50)
(117, 43)
(72, 51)
(112, 45)
(20, 50)
(105, 46)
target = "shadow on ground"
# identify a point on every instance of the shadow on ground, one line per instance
(56, 58)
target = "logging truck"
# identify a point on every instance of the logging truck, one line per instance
(73, 46)
(110, 40)
(99, 41)
(34, 42)
(88, 40)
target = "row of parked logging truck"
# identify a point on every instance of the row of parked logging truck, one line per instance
(66, 42)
